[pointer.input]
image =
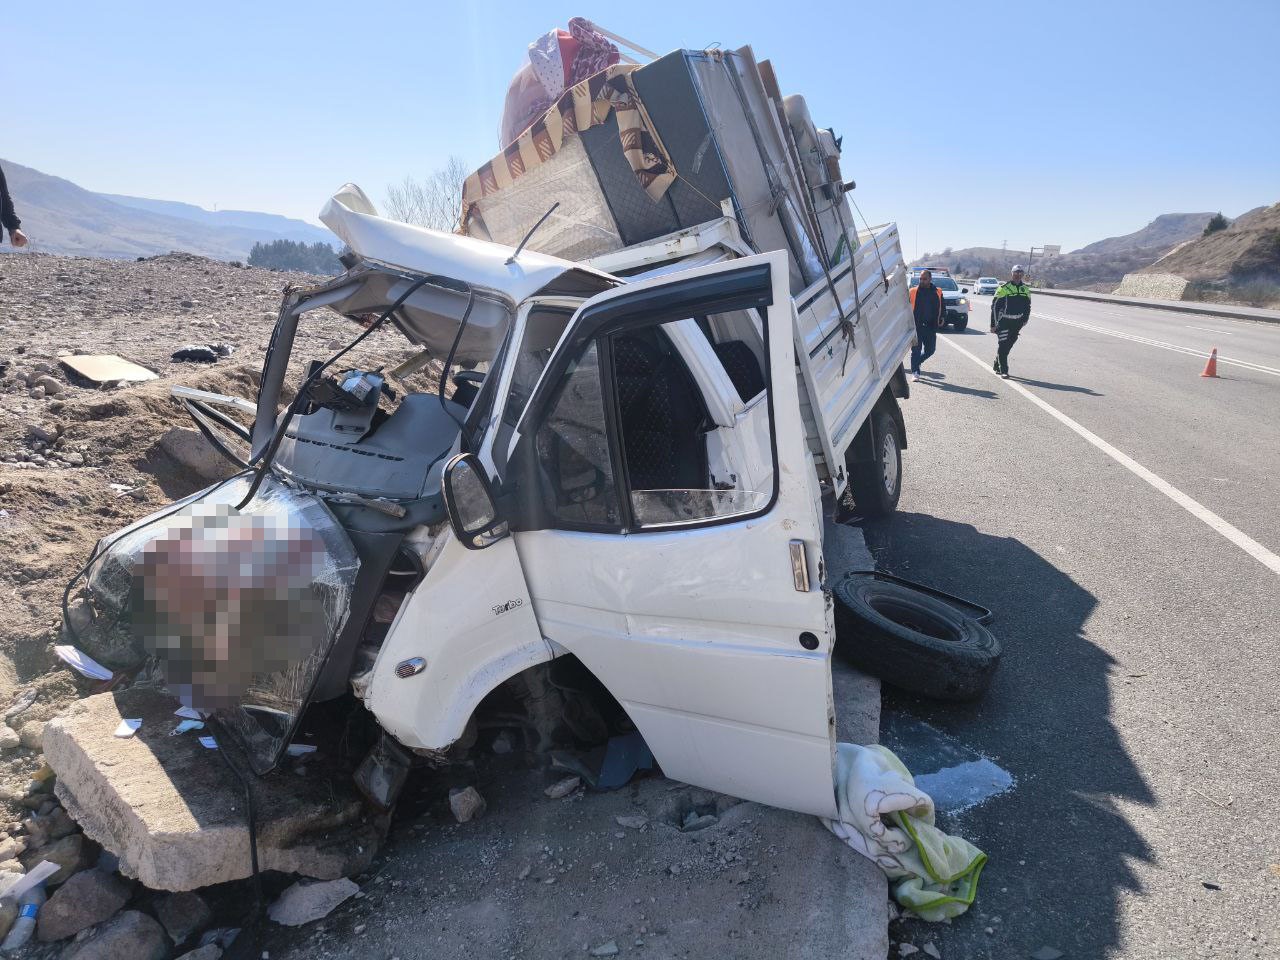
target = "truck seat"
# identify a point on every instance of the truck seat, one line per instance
(661, 413)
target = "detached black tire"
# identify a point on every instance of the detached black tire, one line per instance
(876, 484)
(913, 641)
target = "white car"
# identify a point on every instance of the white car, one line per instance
(986, 285)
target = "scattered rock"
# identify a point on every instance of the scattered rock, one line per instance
(43, 434)
(609, 949)
(562, 788)
(32, 734)
(51, 386)
(127, 936)
(305, 902)
(183, 914)
(72, 854)
(502, 742)
(466, 804)
(22, 702)
(9, 739)
(36, 393)
(8, 914)
(192, 451)
(695, 822)
(932, 951)
(210, 951)
(10, 847)
(46, 827)
(1047, 953)
(221, 937)
(907, 949)
(633, 823)
(89, 897)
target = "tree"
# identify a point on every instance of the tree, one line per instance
(1216, 222)
(315, 257)
(434, 202)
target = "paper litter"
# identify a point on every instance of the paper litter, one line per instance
(128, 728)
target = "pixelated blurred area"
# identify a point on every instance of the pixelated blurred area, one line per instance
(237, 609)
(227, 598)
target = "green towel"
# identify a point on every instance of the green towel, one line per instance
(887, 818)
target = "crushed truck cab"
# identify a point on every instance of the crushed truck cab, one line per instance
(630, 467)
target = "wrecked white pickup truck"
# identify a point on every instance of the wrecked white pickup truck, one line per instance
(625, 462)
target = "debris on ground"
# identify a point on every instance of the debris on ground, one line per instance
(107, 368)
(466, 803)
(202, 352)
(305, 902)
(1047, 953)
(562, 788)
(607, 949)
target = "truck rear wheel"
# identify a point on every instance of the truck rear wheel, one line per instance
(876, 484)
(912, 640)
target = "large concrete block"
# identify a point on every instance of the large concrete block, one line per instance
(173, 812)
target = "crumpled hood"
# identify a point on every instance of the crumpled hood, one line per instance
(352, 216)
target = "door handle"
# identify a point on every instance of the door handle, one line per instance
(799, 566)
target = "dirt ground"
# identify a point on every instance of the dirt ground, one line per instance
(78, 460)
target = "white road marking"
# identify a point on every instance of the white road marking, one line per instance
(1147, 341)
(1221, 333)
(1241, 539)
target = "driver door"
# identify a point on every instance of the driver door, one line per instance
(675, 553)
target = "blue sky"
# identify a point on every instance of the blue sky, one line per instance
(969, 124)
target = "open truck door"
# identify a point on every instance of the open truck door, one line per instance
(667, 518)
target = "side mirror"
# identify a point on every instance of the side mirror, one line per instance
(469, 500)
(964, 289)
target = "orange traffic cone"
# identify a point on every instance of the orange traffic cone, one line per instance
(1211, 368)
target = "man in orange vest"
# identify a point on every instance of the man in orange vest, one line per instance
(930, 314)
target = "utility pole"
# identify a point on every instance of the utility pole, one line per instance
(1031, 255)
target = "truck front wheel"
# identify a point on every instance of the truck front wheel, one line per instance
(876, 484)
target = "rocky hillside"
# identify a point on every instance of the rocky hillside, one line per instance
(1245, 254)
(61, 217)
(1163, 233)
(1097, 266)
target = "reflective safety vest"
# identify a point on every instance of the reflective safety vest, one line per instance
(942, 303)
(1012, 302)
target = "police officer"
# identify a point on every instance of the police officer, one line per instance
(1010, 311)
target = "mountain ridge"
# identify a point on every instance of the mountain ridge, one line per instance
(62, 217)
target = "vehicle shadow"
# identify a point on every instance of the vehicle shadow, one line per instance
(1066, 387)
(1059, 844)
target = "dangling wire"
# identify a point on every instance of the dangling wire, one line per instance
(883, 276)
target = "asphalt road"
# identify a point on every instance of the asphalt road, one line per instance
(1136, 705)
